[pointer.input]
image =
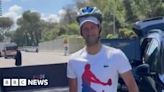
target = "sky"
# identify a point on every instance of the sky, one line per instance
(49, 9)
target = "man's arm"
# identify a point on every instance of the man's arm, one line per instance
(72, 85)
(130, 81)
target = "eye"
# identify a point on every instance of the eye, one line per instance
(84, 29)
(94, 27)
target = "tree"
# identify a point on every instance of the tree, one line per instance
(19, 37)
(1, 37)
(127, 33)
(123, 13)
(73, 29)
(68, 24)
(111, 36)
(113, 15)
(50, 31)
(80, 3)
(50, 35)
(70, 15)
(30, 24)
(131, 17)
(5, 22)
(5, 25)
(147, 8)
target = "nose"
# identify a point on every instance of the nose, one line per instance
(90, 32)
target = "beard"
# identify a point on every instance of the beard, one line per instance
(91, 40)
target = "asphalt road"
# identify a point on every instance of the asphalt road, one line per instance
(32, 58)
(41, 58)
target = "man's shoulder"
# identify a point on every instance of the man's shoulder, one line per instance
(115, 53)
(111, 49)
(76, 55)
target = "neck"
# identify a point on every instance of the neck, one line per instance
(94, 49)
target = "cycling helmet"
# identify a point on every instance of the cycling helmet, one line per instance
(89, 12)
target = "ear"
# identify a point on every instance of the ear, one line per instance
(81, 32)
(99, 25)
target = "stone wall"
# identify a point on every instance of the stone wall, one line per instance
(74, 44)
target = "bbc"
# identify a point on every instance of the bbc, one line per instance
(14, 82)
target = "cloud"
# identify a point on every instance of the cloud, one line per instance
(54, 17)
(61, 12)
(16, 9)
(50, 18)
(14, 12)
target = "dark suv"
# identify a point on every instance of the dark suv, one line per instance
(151, 35)
(145, 53)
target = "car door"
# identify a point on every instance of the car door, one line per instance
(153, 54)
(150, 52)
(160, 77)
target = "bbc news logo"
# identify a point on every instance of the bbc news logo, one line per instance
(25, 82)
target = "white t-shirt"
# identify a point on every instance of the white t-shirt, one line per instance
(99, 72)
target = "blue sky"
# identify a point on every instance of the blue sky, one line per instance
(42, 6)
(50, 10)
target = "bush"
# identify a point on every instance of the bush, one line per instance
(111, 36)
(127, 33)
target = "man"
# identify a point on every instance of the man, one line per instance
(65, 46)
(96, 67)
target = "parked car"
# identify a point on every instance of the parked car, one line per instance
(145, 53)
(9, 50)
(151, 34)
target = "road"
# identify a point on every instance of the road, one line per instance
(32, 58)
(41, 58)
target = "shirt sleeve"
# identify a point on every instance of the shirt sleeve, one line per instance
(70, 70)
(123, 64)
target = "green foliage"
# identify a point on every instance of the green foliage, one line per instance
(111, 36)
(73, 29)
(5, 25)
(112, 10)
(5, 22)
(50, 35)
(30, 27)
(19, 38)
(127, 33)
(126, 12)
(118, 17)
(1, 37)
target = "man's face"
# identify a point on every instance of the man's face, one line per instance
(90, 33)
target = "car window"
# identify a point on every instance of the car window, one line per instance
(144, 45)
(153, 45)
(150, 48)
